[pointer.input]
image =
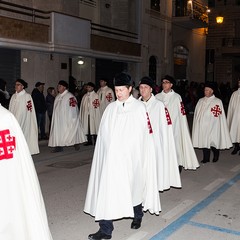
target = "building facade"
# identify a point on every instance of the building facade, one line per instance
(44, 41)
(223, 42)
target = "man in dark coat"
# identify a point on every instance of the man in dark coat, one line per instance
(40, 108)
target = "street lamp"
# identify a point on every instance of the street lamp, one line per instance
(219, 19)
(80, 62)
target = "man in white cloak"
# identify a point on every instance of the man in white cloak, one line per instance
(123, 177)
(233, 119)
(66, 128)
(105, 94)
(22, 107)
(210, 130)
(167, 165)
(185, 152)
(90, 114)
(22, 210)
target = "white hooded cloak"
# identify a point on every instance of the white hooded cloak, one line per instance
(167, 165)
(22, 107)
(22, 209)
(233, 116)
(106, 96)
(185, 152)
(90, 113)
(123, 172)
(210, 125)
(66, 128)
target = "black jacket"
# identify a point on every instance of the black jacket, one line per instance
(39, 101)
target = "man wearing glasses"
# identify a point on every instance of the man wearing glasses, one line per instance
(185, 152)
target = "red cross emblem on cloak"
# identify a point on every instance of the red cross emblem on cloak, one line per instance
(109, 97)
(216, 110)
(149, 125)
(7, 145)
(169, 121)
(29, 105)
(72, 102)
(96, 103)
(183, 112)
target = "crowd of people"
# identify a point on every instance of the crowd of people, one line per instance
(141, 141)
(76, 111)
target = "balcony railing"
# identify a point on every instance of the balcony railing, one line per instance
(113, 32)
(192, 9)
(19, 11)
(198, 11)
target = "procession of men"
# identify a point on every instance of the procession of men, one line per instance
(140, 145)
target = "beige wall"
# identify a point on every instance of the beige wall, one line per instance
(40, 67)
(157, 39)
(195, 42)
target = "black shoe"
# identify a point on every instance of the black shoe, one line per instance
(180, 168)
(77, 147)
(87, 144)
(215, 159)
(235, 150)
(136, 223)
(57, 149)
(98, 236)
(205, 161)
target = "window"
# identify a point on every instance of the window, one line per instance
(180, 62)
(181, 8)
(91, 3)
(155, 5)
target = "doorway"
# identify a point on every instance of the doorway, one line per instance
(108, 69)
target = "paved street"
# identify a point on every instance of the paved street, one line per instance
(206, 208)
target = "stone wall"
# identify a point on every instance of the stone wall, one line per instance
(22, 30)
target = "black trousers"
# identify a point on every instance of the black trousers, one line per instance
(106, 226)
(207, 151)
(91, 138)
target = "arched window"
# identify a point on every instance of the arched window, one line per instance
(153, 68)
(180, 62)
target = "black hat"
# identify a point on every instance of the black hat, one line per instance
(63, 83)
(104, 79)
(39, 84)
(170, 79)
(91, 84)
(25, 84)
(148, 81)
(211, 85)
(122, 79)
